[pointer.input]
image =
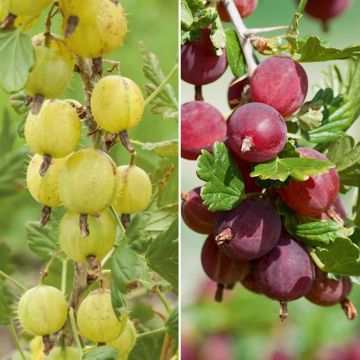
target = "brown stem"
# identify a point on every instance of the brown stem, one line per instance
(125, 140)
(97, 66)
(37, 103)
(84, 226)
(230, 286)
(219, 293)
(45, 215)
(198, 93)
(9, 23)
(91, 259)
(79, 284)
(48, 345)
(349, 309)
(52, 12)
(45, 165)
(225, 235)
(283, 313)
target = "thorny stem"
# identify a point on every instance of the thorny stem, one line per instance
(13, 281)
(16, 339)
(160, 88)
(46, 270)
(241, 31)
(152, 332)
(164, 300)
(74, 328)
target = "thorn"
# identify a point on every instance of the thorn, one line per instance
(219, 293)
(45, 215)
(84, 226)
(349, 309)
(225, 235)
(283, 313)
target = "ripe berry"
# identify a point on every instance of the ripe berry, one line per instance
(280, 82)
(201, 126)
(45, 189)
(27, 7)
(117, 103)
(315, 195)
(256, 132)
(101, 238)
(219, 267)
(68, 353)
(96, 318)
(236, 92)
(245, 8)
(88, 181)
(125, 342)
(200, 65)
(133, 191)
(53, 69)
(250, 283)
(285, 273)
(328, 292)
(249, 231)
(55, 130)
(42, 310)
(94, 29)
(195, 214)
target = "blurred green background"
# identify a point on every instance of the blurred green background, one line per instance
(155, 22)
(250, 322)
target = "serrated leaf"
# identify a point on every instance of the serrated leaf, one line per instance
(164, 149)
(163, 255)
(312, 49)
(17, 58)
(234, 53)
(350, 176)
(186, 14)
(5, 258)
(344, 153)
(101, 353)
(224, 188)
(42, 240)
(299, 169)
(5, 304)
(172, 324)
(129, 270)
(340, 257)
(117, 300)
(148, 348)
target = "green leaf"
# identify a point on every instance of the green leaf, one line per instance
(224, 188)
(165, 104)
(312, 49)
(6, 299)
(340, 257)
(16, 58)
(172, 324)
(7, 135)
(234, 53)
(129, 270)
(101, 353)
(163, 255)
(343, 152)
(5, 258)
(164, 149)
(299, 169)
(350, 176)
(117, 300)
(42, 240)
(148, 348)
(187, 17)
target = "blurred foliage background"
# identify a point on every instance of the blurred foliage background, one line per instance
(155, 23)
(246, 326)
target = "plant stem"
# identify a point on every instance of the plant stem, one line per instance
(137, 143)
(119, 222)
(164, 300)
(152, 332)
(16, 339)
(160, 88)
(64, 276)
(45, 272)
(241, 31)
(74, 328)
(302, 6)
(255, 31)
(315, 258)
(13, 281)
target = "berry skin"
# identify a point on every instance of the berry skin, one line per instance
(285, 273)
(280, 82)
(98, 243)
(69, 353)
(249, 231)
(133, 192)
(53, 69)
(27, 7)
(256, 132)
(88, 181)
(42, 310)
(201, 126)
(101, 26)
(237, 92)
(315, 195)
(245, 8)
(125, 342)
(250, 283)
(328, 292)
(55, 130)
(200, 65)
(117, 103)
(96, 318)
(45, 189)
(196, 215)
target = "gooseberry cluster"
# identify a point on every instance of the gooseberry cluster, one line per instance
(249, 243)
(98, 196)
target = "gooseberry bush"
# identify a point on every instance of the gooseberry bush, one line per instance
(274, 168)
(107, 234)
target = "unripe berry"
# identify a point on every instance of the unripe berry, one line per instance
(42, 310)
(101, 238)
(87, 182)
(96, 318)
(133, 193)
(117, 103)
(55, 130)
(68, 353)
(27, 7)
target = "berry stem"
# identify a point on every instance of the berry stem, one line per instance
(74, 329)
(119, 222)
(315, 258)
(219, 293)
(45, 272)
(64, 275)
(198, 93)
(13, 281)
(151, 332)
(349, 309)
(256, 31)
(16, 340)
(164, 300)
(283, 313)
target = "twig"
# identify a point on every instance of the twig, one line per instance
(46, 270)
(152, 332)
(13, 281)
